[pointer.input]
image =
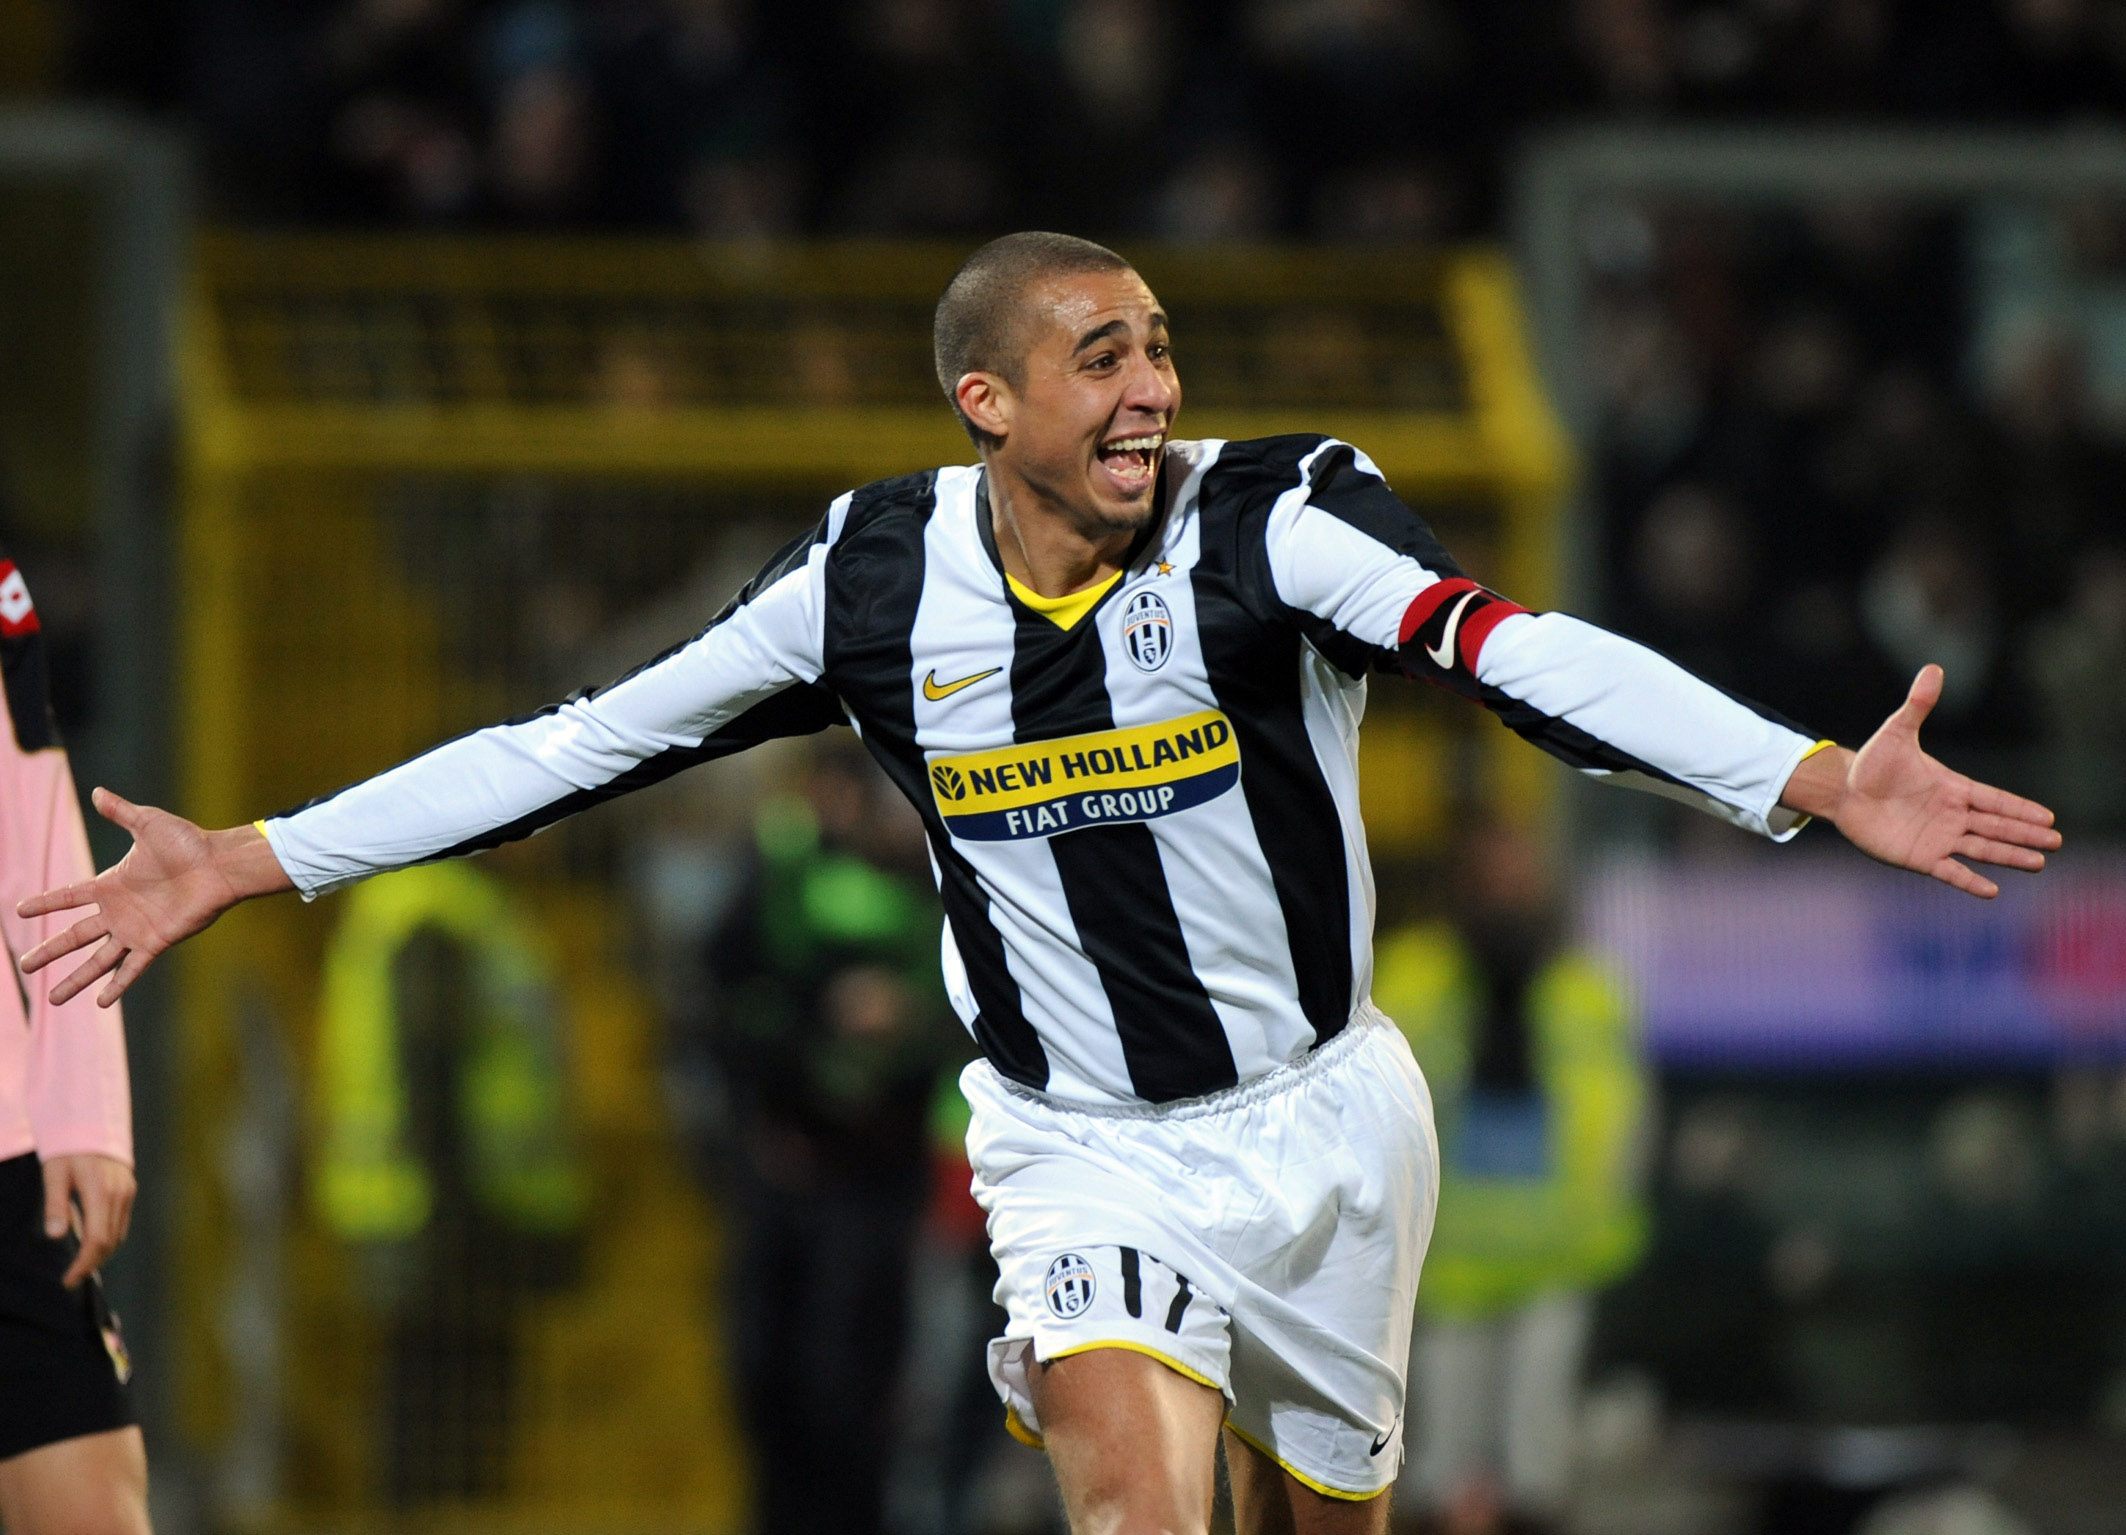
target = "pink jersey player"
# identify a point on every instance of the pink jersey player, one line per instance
(71, 1456)
(63, 1088)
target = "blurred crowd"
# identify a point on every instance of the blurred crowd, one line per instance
(1842, 441)
(1183, 119)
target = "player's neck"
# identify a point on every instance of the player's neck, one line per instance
(1043, 546)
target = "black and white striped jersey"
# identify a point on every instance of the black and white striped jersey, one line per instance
(1144, 822)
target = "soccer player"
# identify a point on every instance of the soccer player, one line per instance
(71, 1461)
(1120, 676)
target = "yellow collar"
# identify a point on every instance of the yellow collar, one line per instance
(1063, 612)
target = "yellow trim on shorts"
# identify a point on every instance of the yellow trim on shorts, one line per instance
(1300, 1476)
(261, 825)
(1150, 1353)
(1015, 1426)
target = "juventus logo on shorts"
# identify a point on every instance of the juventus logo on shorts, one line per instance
(1147, 631)
(1070, 1286)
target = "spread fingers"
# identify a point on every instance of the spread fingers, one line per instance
(1992, 801)
(128, 972)
(104, 960)
(80, 935)
(2007, 854)
(1950, 872)
(63, 899)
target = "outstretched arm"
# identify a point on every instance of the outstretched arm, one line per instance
(1370, 585)
(1897, 804)
(752, 674)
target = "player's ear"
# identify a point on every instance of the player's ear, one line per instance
(987, 401)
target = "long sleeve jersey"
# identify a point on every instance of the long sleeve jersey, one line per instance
(63, 1086)
(1142, 802)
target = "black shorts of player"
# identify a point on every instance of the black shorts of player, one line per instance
(62, 1360)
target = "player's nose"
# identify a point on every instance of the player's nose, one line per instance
(1151, 388)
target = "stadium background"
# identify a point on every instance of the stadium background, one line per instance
(378, 367)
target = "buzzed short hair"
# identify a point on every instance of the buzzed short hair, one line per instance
(977, 329)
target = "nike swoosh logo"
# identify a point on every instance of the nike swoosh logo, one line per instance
(1382, 1442)
(1443, 657)
(934, 689)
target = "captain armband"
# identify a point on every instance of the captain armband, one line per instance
(1444, 629)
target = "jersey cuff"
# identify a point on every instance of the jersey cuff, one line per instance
(1780, 823)
(307, 889)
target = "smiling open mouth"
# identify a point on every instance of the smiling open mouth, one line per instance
(1132, 462)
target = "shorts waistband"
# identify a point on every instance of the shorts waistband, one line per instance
(1279, 1079)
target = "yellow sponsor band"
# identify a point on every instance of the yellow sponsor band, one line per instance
(1043, 788)
(1139, 756)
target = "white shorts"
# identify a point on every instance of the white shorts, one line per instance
(1265, 1240)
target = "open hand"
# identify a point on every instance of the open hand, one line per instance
(1897, 804)
(175, 881)
(103, 1188)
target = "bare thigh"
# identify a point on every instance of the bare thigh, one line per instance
(1133, 1443)
(94, 1485)
(1268, 1500)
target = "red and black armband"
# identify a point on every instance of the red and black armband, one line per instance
(1444, 629)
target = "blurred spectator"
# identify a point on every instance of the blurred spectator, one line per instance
(1630, 51)
(542, 146)
(696, 107)
(1224, 193)
(1694, 567)
(401, 125)
(831, 1027)
(1100, 84)
(1396, 202)
(1529, 1048)
(934, 157)
(2053, 481)
(1117, 57)
(2062, 59)
(1902, 442)
(737, 198)
(1647, 381)
(1931, 598)
(1799, 377)
(446, 1161)
(959, 1470)
(1804, 366)
(2078, 666)
(1371, 76)
(1817, 663)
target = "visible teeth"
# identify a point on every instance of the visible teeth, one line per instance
(1132, 445)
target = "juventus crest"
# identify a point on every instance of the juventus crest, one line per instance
(1148, 631)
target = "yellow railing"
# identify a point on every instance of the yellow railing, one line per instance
(346, 399)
